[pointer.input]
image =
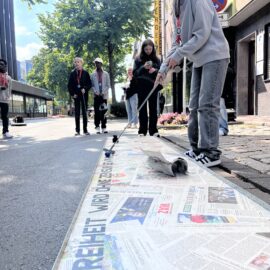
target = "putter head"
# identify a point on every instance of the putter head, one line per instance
(108, 151)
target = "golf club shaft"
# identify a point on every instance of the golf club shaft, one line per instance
(85, 109)
(138, 110)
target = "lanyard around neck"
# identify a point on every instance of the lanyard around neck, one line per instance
(178, 30)
(79, 75)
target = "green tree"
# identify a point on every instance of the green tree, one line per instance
(51, 70)
(105, 28)
(33, 2)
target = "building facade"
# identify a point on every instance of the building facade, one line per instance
(246, 25)
(29, 101)
(250, 27)
(26, 100)
(7, 36)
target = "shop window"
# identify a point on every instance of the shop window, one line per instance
(40, 105)
(17, 103)
(267, 42)
(30, 104)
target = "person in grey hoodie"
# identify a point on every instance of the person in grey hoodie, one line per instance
(5, 94)
(199, 37)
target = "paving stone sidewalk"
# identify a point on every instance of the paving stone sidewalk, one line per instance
(246, 150)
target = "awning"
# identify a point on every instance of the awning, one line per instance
(251, 8)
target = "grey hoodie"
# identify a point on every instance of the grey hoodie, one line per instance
(6, 94)
(202, 36)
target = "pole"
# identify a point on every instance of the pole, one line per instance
(184, 84)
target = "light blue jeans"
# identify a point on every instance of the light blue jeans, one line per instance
(223, 118)
(131, 107)
(206, 87)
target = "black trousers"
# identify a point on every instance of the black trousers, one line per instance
(4, 116)
(161, 108)
(99, 115)
(143, 115)
(81, 103)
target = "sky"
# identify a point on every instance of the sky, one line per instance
(26, 27)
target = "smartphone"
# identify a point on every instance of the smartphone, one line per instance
(149, 63)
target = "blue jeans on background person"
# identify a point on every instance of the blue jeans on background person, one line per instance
(206, 89)
(223, 119)
(131, 107)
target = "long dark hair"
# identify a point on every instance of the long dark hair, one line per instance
(153, 56)
(176, 6)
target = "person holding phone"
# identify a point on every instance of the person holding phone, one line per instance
(145, 70)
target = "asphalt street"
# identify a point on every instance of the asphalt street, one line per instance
(44, 172)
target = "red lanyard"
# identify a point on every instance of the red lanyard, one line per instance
(178, 30)
(79, 75)
(99, 76)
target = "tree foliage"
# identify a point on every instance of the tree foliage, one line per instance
(91, 28)
(33, 2)
(51, 70)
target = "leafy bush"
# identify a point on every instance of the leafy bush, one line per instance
(173, 119)
(118, 109)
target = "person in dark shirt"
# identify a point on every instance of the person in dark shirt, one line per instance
(78, 86)
(226, 93)
(161, 103)
(145, 71)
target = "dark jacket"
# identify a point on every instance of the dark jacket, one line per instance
(228, 84)
(144, 80)
(131, 90)
(85, 82)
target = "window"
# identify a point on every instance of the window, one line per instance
(17, 103)
(267, 50)
(30, 104)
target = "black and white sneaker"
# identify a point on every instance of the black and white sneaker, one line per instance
(97, 130)
(156, 135)
(190, 154)
(206, 161)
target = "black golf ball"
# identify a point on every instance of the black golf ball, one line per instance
(115, 138)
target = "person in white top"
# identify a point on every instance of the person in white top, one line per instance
(131, 100)
(100, 85)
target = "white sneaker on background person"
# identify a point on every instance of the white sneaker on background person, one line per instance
(104, 130)
(191, 154)
(7, 135)
(222, 132)
(97, 129)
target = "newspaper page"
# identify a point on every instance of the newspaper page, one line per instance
(134, 217)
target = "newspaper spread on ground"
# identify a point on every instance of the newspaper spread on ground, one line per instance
(135, 218)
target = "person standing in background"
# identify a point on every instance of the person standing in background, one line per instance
(78, 86)
(161, 103)
(200, 38)
(131, 100)
(145, 70)
(5, 95)
(101, 86)
(226, 93)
